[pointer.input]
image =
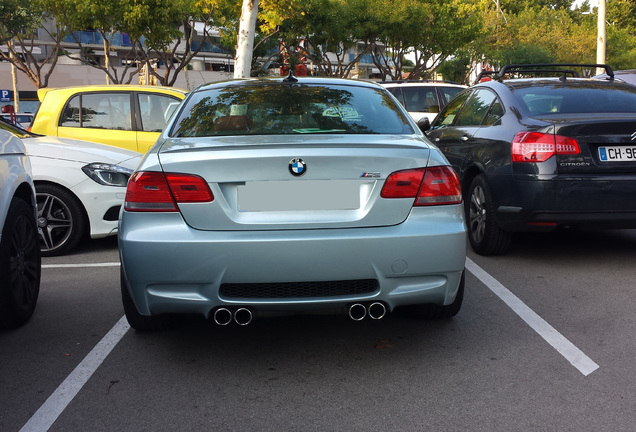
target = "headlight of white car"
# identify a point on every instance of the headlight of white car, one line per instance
(108, 174)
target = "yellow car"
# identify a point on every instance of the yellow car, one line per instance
(127, 116)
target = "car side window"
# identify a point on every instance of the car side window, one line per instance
(449, 113)
(476, 108)
(98, 110)
(420, 99)
(397, 92)
(494, 114)
(71, 114)
(449, 93)
(154, 110)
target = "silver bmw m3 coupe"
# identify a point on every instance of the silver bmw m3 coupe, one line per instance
(291, 195)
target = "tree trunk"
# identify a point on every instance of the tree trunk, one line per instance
(245, 40)
(106, 59)
(14, 76)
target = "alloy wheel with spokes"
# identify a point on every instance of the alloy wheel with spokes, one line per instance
(61, 219)
(477, 214)
(484, 233)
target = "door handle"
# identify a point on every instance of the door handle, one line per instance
(465, 138)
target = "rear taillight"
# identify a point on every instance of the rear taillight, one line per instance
(429, 186)
(539, 147)
(159, 192)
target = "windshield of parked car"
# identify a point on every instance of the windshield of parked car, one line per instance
(284, 108)
(577, 98)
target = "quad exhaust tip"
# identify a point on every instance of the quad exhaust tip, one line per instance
(243, 316)
(223, 316)
(377, 310)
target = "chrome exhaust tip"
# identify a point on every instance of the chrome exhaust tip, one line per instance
(222, 316)
(357, 312)
(377, 310)
(243, 316)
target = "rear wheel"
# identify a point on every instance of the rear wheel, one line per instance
(19, 265)
(61, 219)
(485, 235)
(135, 319)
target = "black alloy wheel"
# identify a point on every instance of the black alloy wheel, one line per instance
(485, 235)
(61, 219)
(20, 265)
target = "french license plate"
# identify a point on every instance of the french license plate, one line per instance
(299, 195)
(617, 154)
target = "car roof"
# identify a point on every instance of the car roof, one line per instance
(290, 79)
(114, 87)
(287, 80)
(422, 83)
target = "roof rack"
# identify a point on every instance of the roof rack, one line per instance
(552, 68)
(484, 74)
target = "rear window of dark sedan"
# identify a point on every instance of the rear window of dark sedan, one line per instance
(280, 108)
(577, 98)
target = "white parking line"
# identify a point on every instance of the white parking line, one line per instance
(571, 353)
(110, 264)
(44, 418)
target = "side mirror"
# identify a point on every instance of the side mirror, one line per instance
(424, 124)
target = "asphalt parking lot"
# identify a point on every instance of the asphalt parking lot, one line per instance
(545, 341)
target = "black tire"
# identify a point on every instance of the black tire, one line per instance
(20, 265)
(136, 320)
(61, 218)
(435, 311)
(484, 233)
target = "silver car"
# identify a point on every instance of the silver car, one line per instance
(291, 195)
(19, 250)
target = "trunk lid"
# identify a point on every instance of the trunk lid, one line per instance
(607, 144)
(255, 186)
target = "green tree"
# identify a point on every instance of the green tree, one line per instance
(621, 34)
(429, 30)
(455, 69)
(21, 24)
(323, 33)
(161, 32)
(544, 34)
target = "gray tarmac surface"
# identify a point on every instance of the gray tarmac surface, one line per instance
(484, 370)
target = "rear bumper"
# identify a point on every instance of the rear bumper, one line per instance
(172, 268)
(524, 205)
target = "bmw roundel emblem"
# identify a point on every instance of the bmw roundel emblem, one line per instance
(297, 167)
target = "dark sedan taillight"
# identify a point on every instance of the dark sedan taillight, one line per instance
(159, 192)
(430, 186)
(539, 147)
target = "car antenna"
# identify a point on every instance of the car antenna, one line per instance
(290, 78)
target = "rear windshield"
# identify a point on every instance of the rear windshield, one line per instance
(279, 108)
(577, 98)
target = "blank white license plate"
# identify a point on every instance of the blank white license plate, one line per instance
(617, 154)
(299, 195)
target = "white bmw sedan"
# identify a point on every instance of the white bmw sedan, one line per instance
(291, 195)
(80, 188)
